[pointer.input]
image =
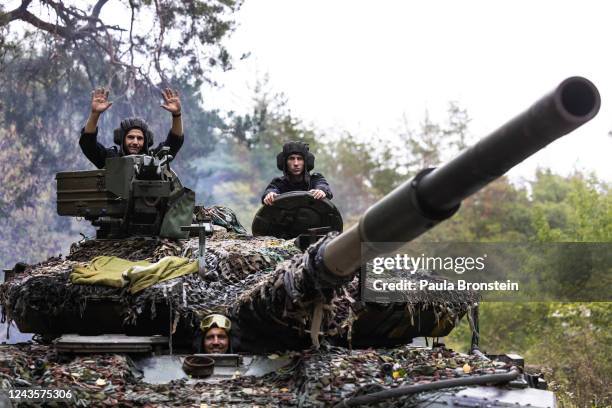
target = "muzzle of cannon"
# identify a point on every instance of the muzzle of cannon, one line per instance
(435, 194)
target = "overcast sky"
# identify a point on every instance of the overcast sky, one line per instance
(361, 65)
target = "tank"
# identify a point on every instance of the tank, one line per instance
(305, 302)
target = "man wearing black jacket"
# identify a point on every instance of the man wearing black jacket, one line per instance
(133, 135)
(296, 162)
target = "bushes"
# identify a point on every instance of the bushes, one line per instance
(569, 342)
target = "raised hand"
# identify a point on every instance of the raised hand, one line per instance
(172, 102)
(99, 100)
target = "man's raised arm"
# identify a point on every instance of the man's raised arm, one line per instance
(88, 141)
(172, 104)
(99, 103)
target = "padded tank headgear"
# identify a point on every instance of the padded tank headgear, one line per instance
(290, 148)
(133, 123)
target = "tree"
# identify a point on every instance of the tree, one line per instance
(435, 143)
(52, 53)
(567, 221)
(573, 209)
(161, 39)
(61, 51)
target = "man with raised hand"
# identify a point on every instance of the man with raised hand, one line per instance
(133, 135)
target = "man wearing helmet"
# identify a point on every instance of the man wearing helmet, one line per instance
(216, 330)
(133, 135)
(296, 162)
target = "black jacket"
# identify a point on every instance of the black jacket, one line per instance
(281, 185)
(97, 154)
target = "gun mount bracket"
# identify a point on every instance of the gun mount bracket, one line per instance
(203, 229)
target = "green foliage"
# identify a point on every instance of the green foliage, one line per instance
(16, 162)
(577, 352)
(350, 166)
(498, 213)
(424, 147)
(577, 209)
(33, 232)
(161, 40)
(569, 342)
(45, 95)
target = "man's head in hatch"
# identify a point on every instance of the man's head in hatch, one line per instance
(134, 136)
(216, 328)
(295, 160)
(134, 141)
(295, 165)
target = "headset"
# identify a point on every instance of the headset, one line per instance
(295, 147)
(132, 123)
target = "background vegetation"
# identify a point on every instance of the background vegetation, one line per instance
(52, 54)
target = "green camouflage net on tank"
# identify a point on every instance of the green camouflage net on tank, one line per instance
(298, 295)
(238, 260)
(312, 378)
(219, 215)
(253, 277)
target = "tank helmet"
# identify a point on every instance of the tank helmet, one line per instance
(128, 124)
(290, 148)
(215, 320)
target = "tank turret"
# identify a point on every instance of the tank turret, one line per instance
(297, 214)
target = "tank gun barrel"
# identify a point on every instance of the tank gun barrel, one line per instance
(296, 292)
(436, 194)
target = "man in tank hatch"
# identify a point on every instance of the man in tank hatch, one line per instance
(296, 162)
(215, 334)
(133, 135)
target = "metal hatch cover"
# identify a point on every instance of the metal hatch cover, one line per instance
(294, 213)
(162, 369)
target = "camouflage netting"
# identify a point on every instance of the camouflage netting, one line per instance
(312, 378)
(219, 215)
(239, 261)
(303, 297)
(275, 295)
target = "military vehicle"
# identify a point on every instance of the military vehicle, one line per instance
(278, 297)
